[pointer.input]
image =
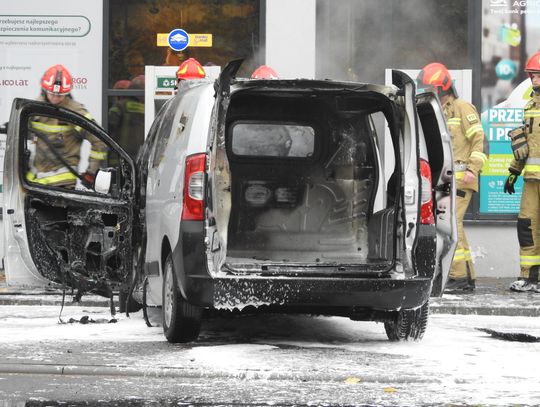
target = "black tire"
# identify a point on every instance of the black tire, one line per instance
(408, 325)
(181, 320)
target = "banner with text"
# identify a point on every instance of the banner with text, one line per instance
(510, 36)
(35, 35)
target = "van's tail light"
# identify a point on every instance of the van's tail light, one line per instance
(194, 184)
(426, 209)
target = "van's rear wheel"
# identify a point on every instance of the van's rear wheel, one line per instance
(181, 320)
(408, 324)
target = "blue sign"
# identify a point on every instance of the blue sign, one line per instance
(178, 39)
(506, 69)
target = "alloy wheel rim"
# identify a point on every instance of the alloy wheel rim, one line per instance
(169, 296)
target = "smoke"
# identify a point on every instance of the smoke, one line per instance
(360, 38)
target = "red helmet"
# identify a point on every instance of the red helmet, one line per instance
(137, 82)
(436, 75)
(533, 65)
(264, 72)
(57, 80)
(122, 84)
(190, 69)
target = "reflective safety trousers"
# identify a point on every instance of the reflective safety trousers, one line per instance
(462, 265)
(528, 230)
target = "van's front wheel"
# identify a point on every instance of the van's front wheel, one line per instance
(408, 324)
(181, 320)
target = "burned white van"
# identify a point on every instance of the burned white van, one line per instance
(301, 196)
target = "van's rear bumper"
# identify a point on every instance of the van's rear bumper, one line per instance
(233, 291)
(376, 294)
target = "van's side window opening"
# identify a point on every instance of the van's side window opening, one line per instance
(164, 132)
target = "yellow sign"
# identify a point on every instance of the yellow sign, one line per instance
(200, 40)
(195, 40)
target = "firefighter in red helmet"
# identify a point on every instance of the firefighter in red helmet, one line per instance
(526, 162)
(126, 120)
(264, 72)
(59, 167)
(469, 157)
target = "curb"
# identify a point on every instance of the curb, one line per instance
(40, 301)
(485, 310)
(125, 371)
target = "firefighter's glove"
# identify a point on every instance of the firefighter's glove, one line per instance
(509, 184)
(88, 180)
(520, 148)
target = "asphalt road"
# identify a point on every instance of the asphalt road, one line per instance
(262, 360)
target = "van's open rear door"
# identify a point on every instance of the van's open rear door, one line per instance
(439, 146)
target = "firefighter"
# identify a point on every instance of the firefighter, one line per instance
(57, 143)
(469, 157)
(526, 148)
(264, 72)
(126, 120)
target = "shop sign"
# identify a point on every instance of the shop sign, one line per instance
(195, 40)
(165, 82)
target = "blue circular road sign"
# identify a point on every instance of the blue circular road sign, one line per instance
(178, 39)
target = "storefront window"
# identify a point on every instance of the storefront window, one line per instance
(134, 25)
(358, 39)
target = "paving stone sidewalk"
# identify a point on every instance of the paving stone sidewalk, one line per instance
(491, 297)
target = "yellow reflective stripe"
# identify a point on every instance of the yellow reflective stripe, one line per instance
(53, 179)
(467, 255)
(49, 128)
(533, 160)
(454, 121)
(531, 168)
(86, 115)
(473, 129)
(134, 107)
(459, 255)
(529, 260)
(532, 113)
(460, 174)
(481, 156)
(98, 155)
(183, 70)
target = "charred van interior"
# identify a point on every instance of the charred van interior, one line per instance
(80, 245)
(304, 174)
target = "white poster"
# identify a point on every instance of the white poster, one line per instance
(36, 34)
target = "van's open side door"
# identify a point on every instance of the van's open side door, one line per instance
(409, 155)
(78, 235)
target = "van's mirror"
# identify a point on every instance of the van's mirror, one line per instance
(102, 184)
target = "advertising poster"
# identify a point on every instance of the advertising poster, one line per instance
(35, 35)
(510, 35)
